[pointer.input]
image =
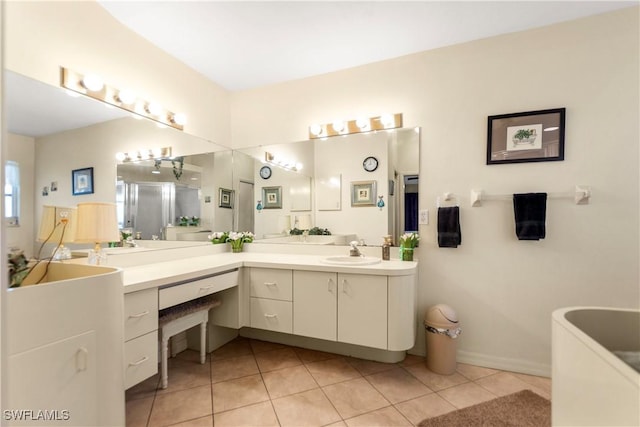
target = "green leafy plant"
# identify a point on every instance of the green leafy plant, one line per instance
(409, 240)
(317, 231)
(523, 134)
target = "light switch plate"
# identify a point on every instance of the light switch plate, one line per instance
(424, 217)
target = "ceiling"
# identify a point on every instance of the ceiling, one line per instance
(242, 45)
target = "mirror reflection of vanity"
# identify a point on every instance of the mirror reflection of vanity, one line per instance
(322, 192)
(318, 186)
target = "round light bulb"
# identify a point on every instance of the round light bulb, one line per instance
(154, 109)
(92, 82)
(126, 97)
(387, 120)
(362, 123)
(315, 130)
(179, 119)
(338, 126)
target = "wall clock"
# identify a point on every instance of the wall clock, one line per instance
(370, 164)
(265, 172)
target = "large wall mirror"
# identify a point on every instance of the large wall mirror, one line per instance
(361, 187)
(50, 134)
(284, 193)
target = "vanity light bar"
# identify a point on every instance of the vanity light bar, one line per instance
(93, 87)
(360, 125)
(281, 162)
(136, 156)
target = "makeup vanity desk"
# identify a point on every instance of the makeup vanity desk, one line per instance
(364, 310)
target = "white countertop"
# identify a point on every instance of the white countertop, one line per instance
(155, 275)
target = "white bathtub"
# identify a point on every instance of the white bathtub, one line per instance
(591, 386)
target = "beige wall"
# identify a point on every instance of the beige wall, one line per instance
(42, 36)
(503, 289)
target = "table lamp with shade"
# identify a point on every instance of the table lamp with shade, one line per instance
(58, 225)
(97, 223)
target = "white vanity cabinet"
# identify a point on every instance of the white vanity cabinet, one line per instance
(271, 299)
(141, 336)
(349, 308)
(64, 348)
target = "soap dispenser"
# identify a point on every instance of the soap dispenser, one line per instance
(386, 248)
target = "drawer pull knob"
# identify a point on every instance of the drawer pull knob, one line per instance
(270, 316)
(270, 284)
(135, 316)
(139, 362)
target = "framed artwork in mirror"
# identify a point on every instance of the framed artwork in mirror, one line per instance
(225, 198)
(272, 197)
(82, 181)
(363, 193)
(531, 136)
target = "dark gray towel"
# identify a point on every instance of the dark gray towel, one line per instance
(530, 211)
(449, 235)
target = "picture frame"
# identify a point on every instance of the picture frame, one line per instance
(272, 197)
(363, 193)
(225, 198)
(531, 136)
(82, 181)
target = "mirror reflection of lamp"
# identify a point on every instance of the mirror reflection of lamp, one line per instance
(58, 225)
(97, 223)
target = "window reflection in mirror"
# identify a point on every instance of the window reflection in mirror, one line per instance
(12, 194)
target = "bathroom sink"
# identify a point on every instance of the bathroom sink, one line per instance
(351, 260)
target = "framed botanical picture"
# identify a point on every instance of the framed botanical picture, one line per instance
(532, 136)
(82, 181)
(272, 197)
(363, 193)
(225, 198)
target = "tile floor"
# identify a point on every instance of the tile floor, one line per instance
(256, 383)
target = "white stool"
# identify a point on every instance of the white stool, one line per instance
(179, 318)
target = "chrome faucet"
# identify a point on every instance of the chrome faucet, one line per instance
(354, 251)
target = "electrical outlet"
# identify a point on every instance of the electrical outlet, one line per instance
(424, 217)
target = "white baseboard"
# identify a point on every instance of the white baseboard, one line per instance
(504, 363)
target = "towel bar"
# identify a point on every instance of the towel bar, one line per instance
(581, 196)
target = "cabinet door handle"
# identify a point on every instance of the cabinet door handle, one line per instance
(139, 362)
(82, 354)
(205, 288)
(142, 314)
(270, 284)
(329, 282)
(344, 286)
(270, 316)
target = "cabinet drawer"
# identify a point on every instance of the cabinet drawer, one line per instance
(140, 313)
(178, 294)
(271, 283)
(272, 315)
(140, 359)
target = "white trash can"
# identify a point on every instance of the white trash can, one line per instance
(441, 331)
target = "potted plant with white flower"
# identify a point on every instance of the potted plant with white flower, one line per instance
(218, 237)
(408, 241)
(238, 239)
